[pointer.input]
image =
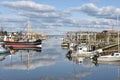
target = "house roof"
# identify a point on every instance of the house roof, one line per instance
(112, 31)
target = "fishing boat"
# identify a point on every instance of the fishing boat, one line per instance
(28, 43)
(16, 45)
(111, 57)
(82, 50)
(85, 50)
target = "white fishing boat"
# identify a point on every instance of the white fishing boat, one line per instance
(111, 57)
(84, 50)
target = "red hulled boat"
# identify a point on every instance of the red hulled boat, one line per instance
(16, 45)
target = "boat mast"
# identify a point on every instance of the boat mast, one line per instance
(28, 29)
(118, 34)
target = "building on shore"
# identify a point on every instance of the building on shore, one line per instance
(18, 36)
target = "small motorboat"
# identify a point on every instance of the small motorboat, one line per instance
(4, 49)
(111, 57)
(65, 45)
(84, 50)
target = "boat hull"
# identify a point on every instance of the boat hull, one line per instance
(23, 44)
(109, 59)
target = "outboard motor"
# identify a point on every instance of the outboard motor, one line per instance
(95, 56)
(68, 55)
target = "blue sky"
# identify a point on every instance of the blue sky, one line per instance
(59, 16)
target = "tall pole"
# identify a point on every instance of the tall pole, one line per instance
(118, 33)
(28, 29)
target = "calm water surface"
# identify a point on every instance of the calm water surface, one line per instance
(51, 64)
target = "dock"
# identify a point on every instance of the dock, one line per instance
(104, 42)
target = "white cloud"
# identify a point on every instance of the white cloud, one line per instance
(9, 19)
(38, 15)
(109, 12)
(47, 18)
(29, 6)
(93, 1)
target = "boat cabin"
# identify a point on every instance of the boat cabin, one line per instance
(83, 48)
(115, 54)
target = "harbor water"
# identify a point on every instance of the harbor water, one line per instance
(51, 63)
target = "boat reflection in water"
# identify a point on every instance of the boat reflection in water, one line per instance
(88, 62)
(29, 49)
(29, 60)
(3, 55)
(115, 63)
(26, 59)
(4, 52)
(85, 61)
(112, 63)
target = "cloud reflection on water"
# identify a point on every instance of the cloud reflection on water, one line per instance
(50, 54)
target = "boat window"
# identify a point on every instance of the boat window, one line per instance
(80, 48)
(116, 54)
